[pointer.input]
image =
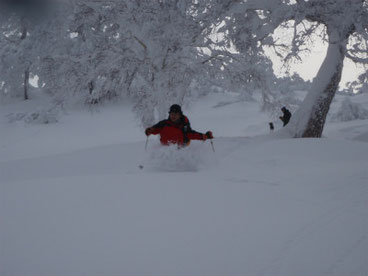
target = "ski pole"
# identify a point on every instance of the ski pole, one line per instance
(145, 147)
(213, 148)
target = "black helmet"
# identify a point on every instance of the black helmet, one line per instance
(175, 108)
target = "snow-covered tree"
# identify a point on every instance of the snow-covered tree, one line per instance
(20, 44)
(166, 37)
(345, 28)
(250, 64)
(349, 111)
(361, 84)
(15, 63)
(147, 50)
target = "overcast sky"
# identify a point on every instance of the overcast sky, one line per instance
(309, 67)
(310, 64)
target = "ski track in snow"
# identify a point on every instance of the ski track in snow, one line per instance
(300, 238)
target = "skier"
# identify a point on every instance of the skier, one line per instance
(176, 129)
(286, 117)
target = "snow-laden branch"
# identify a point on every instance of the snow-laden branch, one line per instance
(265, 5)
(13, 41)
(357, 59)
(274, 13)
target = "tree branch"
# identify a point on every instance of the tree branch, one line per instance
(140, 42)
(357, 59)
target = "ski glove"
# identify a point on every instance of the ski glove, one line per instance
(208, 135)
(148, 131)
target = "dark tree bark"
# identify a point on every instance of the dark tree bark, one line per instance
(321, 107)
(26, 71)
(310, 119)
(26, 83)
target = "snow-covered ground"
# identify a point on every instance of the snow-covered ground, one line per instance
(73, 200)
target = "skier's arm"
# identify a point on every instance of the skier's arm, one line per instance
(195, 135)
(155, 129)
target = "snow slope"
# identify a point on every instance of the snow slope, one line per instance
(74, 202)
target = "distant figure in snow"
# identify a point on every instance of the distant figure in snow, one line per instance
(271, 126)
(286, 117)
(176, 129)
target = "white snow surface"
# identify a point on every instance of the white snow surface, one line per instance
(73, 200)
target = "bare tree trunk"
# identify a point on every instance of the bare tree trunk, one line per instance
(26, 71)
(24, 29)
(26, 83)
(91, 87)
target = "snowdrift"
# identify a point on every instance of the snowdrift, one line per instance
(258, 205)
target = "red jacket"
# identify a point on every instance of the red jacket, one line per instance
(178, 132)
